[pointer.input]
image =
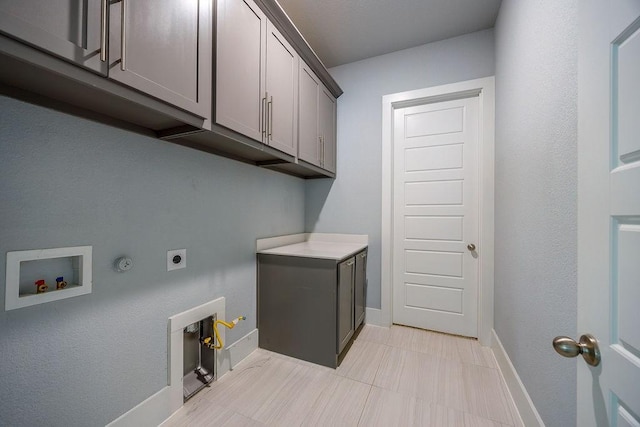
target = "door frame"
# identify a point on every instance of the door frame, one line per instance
(484, 89)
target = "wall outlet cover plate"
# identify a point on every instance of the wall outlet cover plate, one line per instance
(176, 259)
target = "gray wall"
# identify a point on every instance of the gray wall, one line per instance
(536, 134)
(68, 181)
(352, 203)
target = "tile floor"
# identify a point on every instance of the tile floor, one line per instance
(394, 376)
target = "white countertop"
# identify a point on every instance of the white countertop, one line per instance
(323, 249)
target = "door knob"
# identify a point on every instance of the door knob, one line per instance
(587, 347)
(471, 247)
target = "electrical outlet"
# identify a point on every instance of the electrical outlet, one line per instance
(176, 259)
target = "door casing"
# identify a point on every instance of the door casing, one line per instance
(484, 89)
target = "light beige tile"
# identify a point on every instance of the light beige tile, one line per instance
(452, 347)
(485, 394)
(473, 389)
(388, 408)
(340, 403)
(401, 337)
(465, 350)
(208, 414)
(374, 333)
(436, 416)
(408, 372)
(515, 415)
(292, 403)
(362, 361)
(249, 385)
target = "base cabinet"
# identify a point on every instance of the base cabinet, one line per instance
(307, 306)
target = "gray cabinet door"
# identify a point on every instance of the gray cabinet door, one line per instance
(308, 134)
(360, 278)
(327, 129)
(162, 48)
(346, 326)
(282, 92)
(72, 30)
(240, 61)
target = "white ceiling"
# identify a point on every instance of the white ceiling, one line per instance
(343, 31)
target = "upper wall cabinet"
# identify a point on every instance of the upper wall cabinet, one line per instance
(281, 92)
(327, 129)
(159, 47)
(73, 30)
(151, 63)
(317, 112)
(163, 48)
(256, 76)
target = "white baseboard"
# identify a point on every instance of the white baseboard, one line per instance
(375, 317)
(152, 412)
(232, 355)
(528, 412)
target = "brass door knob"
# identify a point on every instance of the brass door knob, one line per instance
(587, 347)
(471, 247)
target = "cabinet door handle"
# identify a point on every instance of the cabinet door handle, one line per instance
(103, 31)
(123, 35)
(263, 120)
(320, 149)
(363, 256)
(350, 263)
(270, 115)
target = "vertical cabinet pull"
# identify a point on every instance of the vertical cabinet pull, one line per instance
(263, 123)
(103, 31)
(270, 115)
(320, 149)
(123, 35)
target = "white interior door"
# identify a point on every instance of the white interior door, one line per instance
(435, 216)
(609, 210)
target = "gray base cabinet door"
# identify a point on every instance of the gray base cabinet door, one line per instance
(346, 325)
(360, 288)
(72, 30)
(163, 48)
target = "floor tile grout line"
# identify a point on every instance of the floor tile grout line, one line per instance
(365, 405)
